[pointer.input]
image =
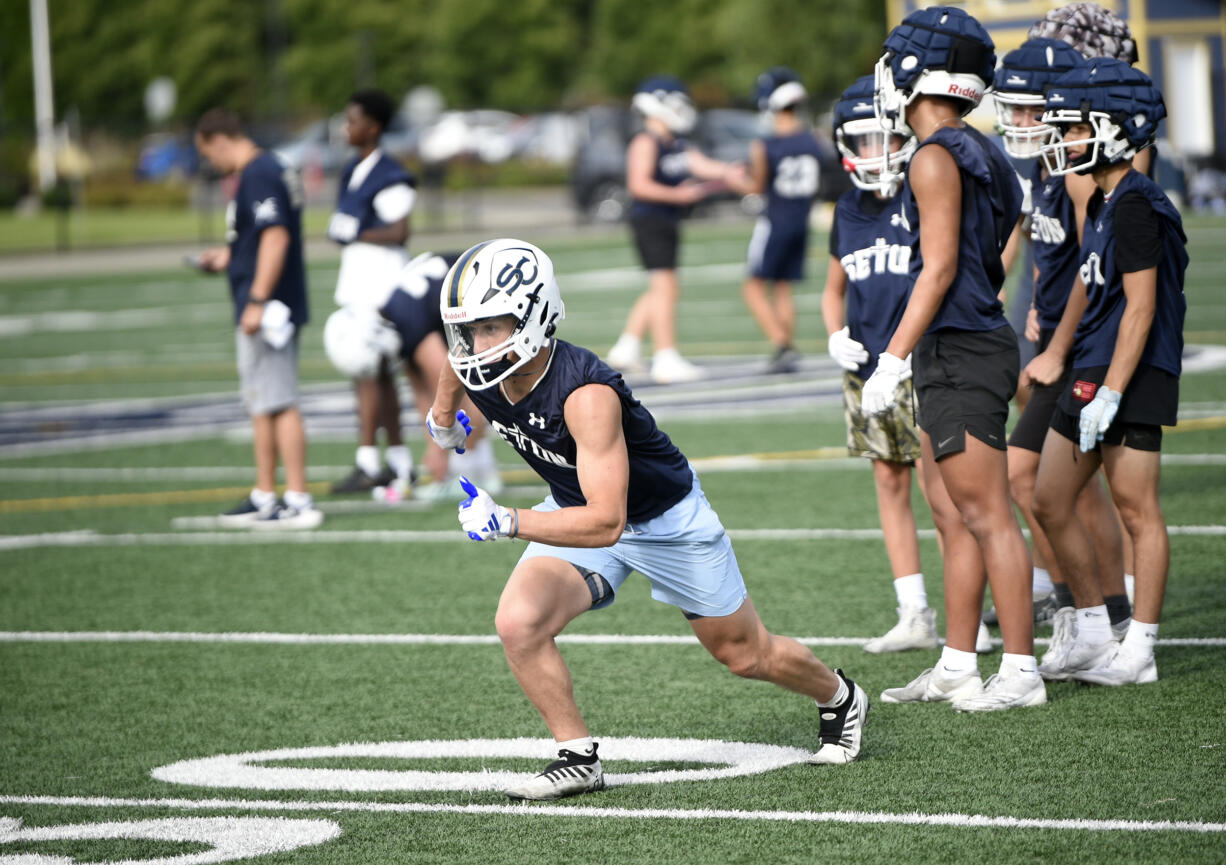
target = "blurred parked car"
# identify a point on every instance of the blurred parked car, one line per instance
(323, 146)
(598, 176)
(485, 134)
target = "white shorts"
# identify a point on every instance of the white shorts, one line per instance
(267, 376)
(684, 553)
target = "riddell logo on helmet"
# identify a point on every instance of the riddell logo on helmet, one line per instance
(965, 92)
(454, 315)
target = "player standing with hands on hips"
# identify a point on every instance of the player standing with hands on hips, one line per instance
(622, 498)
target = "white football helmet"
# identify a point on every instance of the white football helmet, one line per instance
(493, 279)
(356, 339)
(666, 98)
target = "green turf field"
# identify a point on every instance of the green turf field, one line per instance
(130, 648)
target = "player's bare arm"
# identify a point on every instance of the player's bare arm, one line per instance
(1140, 293)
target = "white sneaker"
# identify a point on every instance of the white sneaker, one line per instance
(569, 775)
(669, 367)
(245, 514)
(1123, 668)
(931, 686)
(983, 640)
(842, 726)
(1074, 654)
(285, 517)
(1063, 629)
(1005, 692)
(916, 629)
(626, 355)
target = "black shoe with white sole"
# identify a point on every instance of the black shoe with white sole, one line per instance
(842, 726)
(569, 775)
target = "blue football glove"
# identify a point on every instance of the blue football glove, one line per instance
(448, 437)
(482, 518)
(1096, 417)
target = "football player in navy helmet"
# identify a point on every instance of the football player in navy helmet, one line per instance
(621, 498)
(960, 201)
(784, 167)
(1123, 340)
(868, 281)
(1053, 226)
(664, 176)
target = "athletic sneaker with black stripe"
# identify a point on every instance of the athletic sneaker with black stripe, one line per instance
(569, 775)
(842, 726)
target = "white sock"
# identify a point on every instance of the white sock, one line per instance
(910, 591)
(1042, 585)
(1093, 624)
(628, 342)
(1141, 637)
(956, 661)
(400, 460)
(262, 498)
(1018, 665)
(367, 459)
(299, 501)
(579, 746)
(839, 695)
(1130, 584)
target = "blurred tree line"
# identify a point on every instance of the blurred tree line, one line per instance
(283, 60)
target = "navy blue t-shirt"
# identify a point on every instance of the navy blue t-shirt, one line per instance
(991, 202)
(792, 174)
(869, 240)
(1094, 342)
(413, 309)
(660, 475)
(671, 168)
(1053, 234)
(359, 203)
(269, 193)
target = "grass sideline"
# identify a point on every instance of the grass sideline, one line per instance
(94, 719)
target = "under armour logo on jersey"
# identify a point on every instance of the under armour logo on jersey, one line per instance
(536, 421)
(515, 272)
(266, 210)
(900, 218)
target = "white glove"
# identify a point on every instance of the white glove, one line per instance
(847, 353)
(483, 518)
(342, 227)
(448, 437)
(906, 373)
(1097, 415)
(878, 394)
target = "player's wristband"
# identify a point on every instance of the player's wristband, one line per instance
(514, 523)
(253, 301)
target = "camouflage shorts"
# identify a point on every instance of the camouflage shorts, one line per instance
(892, 436)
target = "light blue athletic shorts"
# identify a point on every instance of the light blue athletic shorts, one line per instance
(684, 553)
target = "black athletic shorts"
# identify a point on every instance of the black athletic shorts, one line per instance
(1150, 402)
(1031, 428)
(963, 383)
(656, 239)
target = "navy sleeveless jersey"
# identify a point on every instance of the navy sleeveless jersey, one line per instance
(672, 167)
(359, 203)
(991, 202)
(873, 246)
(414, 311)
(1094, 342)
(792, 173)
(269, 193)
(1053, 235)
(660, 475)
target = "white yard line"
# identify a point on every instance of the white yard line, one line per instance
(283, 639)
(955, 821)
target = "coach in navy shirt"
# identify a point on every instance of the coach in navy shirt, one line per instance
(264, 262)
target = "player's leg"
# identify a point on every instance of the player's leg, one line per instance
(1133, 468)
(396, 453)
(1097, 513)
(785, 309)
(741, 643)
(754, 293)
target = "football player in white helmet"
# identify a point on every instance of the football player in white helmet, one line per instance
(622, 498)
(664, 175)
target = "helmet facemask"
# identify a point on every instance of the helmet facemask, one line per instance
(1021, 141)
(869, 156)
(1106, 144)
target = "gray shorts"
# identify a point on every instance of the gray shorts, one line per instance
(267, 376)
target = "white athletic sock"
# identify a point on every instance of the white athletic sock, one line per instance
(1141, 637)
(299, 501)
(367, 459)
(1042, 585)
(579, 746)
(400, 460)
(628, 342)
(1093, 624)
(1130, 585)
(956, 661)
(1018, 665)
(262, 498)
(839, 696)
(910, 591)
